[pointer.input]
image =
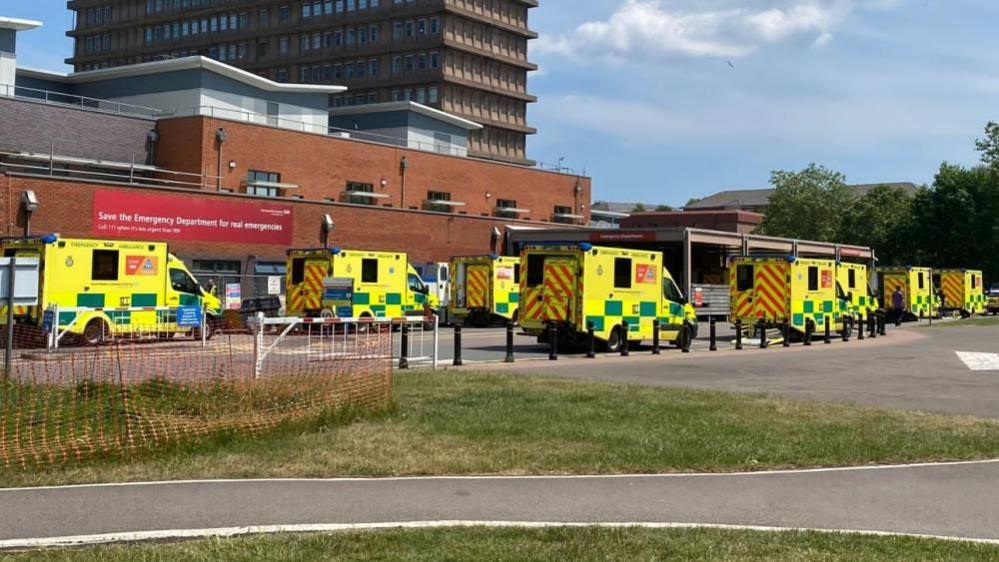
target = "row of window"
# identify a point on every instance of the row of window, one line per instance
(213, 24)
(336, 38)
(355, 192)
(318, 74)
(97, 43)
(161, 6)
(99, 15)
(320, 8)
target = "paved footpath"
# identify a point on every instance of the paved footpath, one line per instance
(913, 369)
(958, 500)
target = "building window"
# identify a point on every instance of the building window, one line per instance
(359, 187)
(432, 201)
(504, 206)
(256, 184)
(562, 214)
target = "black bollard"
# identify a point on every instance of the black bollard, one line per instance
(847, 320)
(714, 335)
(808, 333)
(860, 326)
(828, 334)
(786, 332)
(624, 339)
(655, 337)
(872, 322)
(686, 338)
(738, 334)
(404, 347)
(761, 330)
(883, 323)
(591, 350)
(457, 346)
(552, 342)
(509, 343)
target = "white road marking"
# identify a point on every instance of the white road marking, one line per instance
(758, 473)
(177, 534)
(976, 361)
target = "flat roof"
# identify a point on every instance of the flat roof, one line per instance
(18, 24)
(386, 107)
(186, 63)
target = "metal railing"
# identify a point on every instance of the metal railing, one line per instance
(130, 173)
(316, 129)
(78, 102)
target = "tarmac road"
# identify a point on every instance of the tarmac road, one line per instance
(911, 368)
(959, 500)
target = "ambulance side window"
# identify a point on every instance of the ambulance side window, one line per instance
(104, 265)
(974, 281)
(813, 278)
(535, 270)
(415, 283)
(516, 274)
(369, 270)
(922, 281)
(744, 278)
(622, 273)
(182, 282)
(297, 271)
(852, 281)
(670, 291)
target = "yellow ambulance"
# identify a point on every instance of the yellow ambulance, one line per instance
(384, 284)
(484, 288)
(577, 285)
(854, 282)
(108, 288)
(962, 291)
(773, 290)
(917, 288)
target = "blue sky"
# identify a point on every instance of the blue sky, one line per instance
(666, 100)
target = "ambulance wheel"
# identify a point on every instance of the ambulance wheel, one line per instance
(326, 313)
(685, 338)
(94, 333)
(613, 343)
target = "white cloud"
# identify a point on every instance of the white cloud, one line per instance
(710, 28)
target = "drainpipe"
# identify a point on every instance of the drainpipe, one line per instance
(220, 136)
(403, 166)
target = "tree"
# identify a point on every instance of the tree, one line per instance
(989, 146)
(639, 208)
(664, 208)
(881, 219)
(808, 204)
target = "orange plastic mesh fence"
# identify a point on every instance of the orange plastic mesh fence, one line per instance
(139, 392)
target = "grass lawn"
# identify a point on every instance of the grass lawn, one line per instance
(976, 321)
(577, 544)
(473, 423)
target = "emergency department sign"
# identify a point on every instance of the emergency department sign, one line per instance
(146, 216)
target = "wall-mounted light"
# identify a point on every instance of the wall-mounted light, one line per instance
(232, 164)
(221, 135)
(29, 202)
(384, 182)
(328, 226)
(489, 195)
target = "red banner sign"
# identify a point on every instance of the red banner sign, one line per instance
(622, 236)
(148, 216)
